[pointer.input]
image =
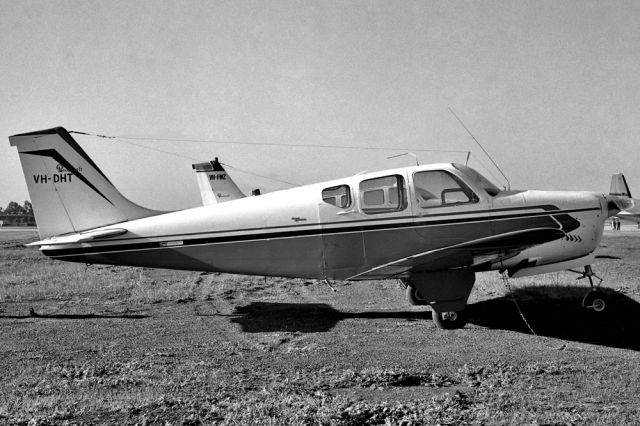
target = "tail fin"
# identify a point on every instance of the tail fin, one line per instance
(619, 197)
(216, 186)
(68, 191)
(619, 186)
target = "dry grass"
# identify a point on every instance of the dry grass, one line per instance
(123, 345)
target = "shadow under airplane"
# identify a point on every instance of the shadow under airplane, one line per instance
(33, 314)
(258, 317)
(556, 312)
(551, 311)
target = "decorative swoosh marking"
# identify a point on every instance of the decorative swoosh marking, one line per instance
(52, 153)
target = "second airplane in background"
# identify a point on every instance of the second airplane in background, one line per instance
(216, 186)
(619, 186)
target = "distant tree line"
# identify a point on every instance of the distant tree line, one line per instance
(17, 215)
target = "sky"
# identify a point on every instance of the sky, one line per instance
(551, 89)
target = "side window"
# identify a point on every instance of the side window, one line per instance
(438, 188)
(339, 196)
(382, 195)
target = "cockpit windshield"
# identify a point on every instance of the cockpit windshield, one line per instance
(478, 179)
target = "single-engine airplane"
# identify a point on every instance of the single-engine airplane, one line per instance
(216, 186)
(432, 226)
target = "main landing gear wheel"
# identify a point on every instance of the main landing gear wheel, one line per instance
(595, 300)
(449, 320)
(414, 297)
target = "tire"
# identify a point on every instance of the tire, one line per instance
(594, 301)
(414, 297)
(449, 320)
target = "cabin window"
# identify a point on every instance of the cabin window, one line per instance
(478, 179)
(382, 195)
(438, 188)
(339, 196)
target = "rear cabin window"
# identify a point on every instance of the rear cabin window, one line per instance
(339, 196)
(438, 188)
(382, 195)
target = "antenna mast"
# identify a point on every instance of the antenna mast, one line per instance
(481, 147)
(406, 153)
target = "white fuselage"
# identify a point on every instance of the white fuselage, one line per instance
(313, 232)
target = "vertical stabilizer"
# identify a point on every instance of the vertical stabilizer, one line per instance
(619, 197)
(619, 186)
(68, 191)
(216, 186)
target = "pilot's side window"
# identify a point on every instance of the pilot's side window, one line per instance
(382, 195)
(339, 196)
(438, 188)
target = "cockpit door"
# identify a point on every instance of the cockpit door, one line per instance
(446, 210)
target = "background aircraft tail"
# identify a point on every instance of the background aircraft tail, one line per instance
(619, 186)
(216, 186)
(619, 197)
(68, 191)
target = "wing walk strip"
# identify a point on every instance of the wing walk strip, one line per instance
(117, 245)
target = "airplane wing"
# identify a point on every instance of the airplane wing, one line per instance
(476, 252)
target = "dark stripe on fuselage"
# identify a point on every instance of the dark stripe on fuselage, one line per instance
(567, 222)
(398, 221)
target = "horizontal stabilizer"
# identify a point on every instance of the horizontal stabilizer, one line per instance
(81, 237)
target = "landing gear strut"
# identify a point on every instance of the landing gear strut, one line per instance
(447, 303)
(595, 299)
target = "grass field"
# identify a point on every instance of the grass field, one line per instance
(123, 345)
